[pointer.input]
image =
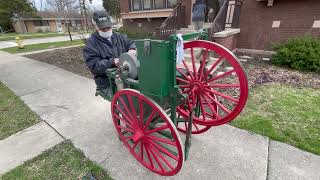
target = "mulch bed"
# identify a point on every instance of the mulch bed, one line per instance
(258, 71)
(70, 59)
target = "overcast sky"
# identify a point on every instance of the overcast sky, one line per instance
(97, 4)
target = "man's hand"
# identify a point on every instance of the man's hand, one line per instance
(133, 51)
(116, 61)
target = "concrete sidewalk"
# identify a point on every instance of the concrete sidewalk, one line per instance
(67, 103)
(6, 44)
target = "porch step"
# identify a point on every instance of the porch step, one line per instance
(206, 25)
(191, 29)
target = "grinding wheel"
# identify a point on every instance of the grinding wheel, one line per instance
(130, 64)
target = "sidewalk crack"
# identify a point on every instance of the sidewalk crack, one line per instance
(268, 159)
(32, 92)
(108, 156)
(55, 130)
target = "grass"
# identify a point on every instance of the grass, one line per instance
(42, 46)
(14, 114)
(63, 161)
(283, 113)
(12, 36)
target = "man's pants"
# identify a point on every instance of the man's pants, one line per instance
(107, 91)
(198, 25)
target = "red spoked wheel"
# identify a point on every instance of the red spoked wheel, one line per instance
(211, 82)
(147, 131)
(196, 128)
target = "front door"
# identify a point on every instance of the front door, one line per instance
(59, 26)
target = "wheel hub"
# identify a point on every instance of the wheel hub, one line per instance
(138, 135)
(197, 86)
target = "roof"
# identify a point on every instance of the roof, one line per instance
(51, 15)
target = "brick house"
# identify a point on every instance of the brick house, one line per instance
(242, 24)
(46, 21)
(146, 15)
(263, 22)
(174, 16)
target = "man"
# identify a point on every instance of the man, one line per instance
(198, 14)
(211, 15)
(103, 49)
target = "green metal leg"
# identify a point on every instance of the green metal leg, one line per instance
(187, 143)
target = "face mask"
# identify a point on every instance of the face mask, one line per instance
(106, 35)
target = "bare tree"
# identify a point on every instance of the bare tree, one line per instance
(63, 8)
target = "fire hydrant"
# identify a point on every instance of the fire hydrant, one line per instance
(19, 42)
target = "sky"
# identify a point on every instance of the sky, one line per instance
(97, 4)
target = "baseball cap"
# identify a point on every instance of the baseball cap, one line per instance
(102, 19)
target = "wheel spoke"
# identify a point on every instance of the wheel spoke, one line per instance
(140, 123)
(125, 115)
(135, 145)
(161, 140)
(182, 80)
(163, 158)
(165, 151)
(195, 125)
(202, 108)
(141, 150)
(128, 138)
(126, 129)
(218, 103)
(156, 129)
(222, 95)
(225, 85)
(184, 86)
(156, 158)
(126, 107)
(127, 123)
(149, 120)
(213, 109)
(213, 66)
(131, 106)
(187, 68)
(202, 64)
(193, 63)
(149, 157)
(221, 76)
(183, 74)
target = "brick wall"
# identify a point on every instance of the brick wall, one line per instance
(229, 42)
(124, 6)
(53, 26)
(296, 18)
(30, 26)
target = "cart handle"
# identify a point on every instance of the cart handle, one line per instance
(204, 35)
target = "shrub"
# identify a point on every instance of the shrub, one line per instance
(302, 53)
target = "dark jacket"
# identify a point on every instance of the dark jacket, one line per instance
(198, 11)
(99, 54)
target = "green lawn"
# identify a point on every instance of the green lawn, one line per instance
(63, 161)
(14, 114)
(12, 36)
(41, 46)
(283, 113)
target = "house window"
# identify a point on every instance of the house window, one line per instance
(136, 5)
(172, 3)
(140, 5)
(159, 4)
(147, 4)
(41, 23)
